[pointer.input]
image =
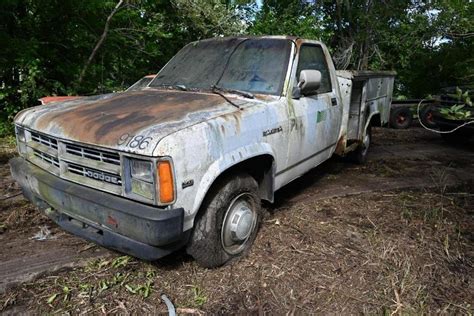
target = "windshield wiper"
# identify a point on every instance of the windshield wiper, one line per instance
(245, 94)
(224, 97)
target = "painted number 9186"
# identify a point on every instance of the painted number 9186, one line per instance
(134, 141)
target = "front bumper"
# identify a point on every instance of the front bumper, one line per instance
(140, 230)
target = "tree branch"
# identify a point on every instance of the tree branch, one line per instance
(460, 35)
(99, 42)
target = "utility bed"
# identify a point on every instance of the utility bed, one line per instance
(364, 92)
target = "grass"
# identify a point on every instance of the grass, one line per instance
(99, 279)
(199, 299)
(440, 177)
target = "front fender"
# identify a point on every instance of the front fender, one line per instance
(227, 161)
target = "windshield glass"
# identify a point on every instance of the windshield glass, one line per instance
(253, 65)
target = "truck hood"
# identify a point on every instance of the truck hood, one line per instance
(109, 122)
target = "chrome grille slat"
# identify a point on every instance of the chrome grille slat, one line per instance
(45, 140)
(46, 158)
(82, 164)
(76, 170)
(93, 154)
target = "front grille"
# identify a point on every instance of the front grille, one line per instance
(44, 140)
(84, 152)
(94, 174)
(46, 158)
(81, 164)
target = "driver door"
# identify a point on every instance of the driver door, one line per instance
(315, 119)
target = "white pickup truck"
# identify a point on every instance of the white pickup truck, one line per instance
(187, 160)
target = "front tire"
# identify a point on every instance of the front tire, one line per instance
(228, 222)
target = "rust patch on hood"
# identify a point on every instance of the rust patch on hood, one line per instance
(104, 121)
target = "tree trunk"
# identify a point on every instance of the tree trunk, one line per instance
(364, 56)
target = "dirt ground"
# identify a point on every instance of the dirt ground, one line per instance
(393, 236)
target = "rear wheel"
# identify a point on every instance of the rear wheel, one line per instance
(361, 153)
(426, 117)
(400, 118)
(228, 223)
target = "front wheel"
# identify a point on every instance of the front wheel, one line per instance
(228, 222)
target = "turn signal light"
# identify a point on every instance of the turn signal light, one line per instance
(165, 178)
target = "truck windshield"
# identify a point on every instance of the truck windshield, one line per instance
(253, 65)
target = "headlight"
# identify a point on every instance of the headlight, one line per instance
(144, 189)
(152, 180)
(141, 170)
(20, 140)
(20, 134)
(141, 178)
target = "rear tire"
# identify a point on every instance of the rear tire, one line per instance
(400, 118)
(360, 155)
(228, 222)
(426, 117)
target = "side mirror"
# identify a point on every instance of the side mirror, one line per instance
(309, 81)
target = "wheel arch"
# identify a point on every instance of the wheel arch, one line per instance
(374, 119)
(260, 165)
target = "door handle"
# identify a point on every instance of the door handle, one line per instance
(333, 101)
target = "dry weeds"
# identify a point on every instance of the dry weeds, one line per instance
(391, 253)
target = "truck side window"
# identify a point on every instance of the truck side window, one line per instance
(312, 57)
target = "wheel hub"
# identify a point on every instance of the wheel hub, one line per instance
(239, 223)
(429, 117)
(401, 119)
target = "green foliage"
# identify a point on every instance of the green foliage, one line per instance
(52, 298)
(45, 44)
(458, 111)
(120, 261)
(296, 18)
(429, 44)
(461, 96)
(141, 289)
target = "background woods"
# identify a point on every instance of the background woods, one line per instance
(87, 47)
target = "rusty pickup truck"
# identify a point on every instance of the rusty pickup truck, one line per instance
(187, 161)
